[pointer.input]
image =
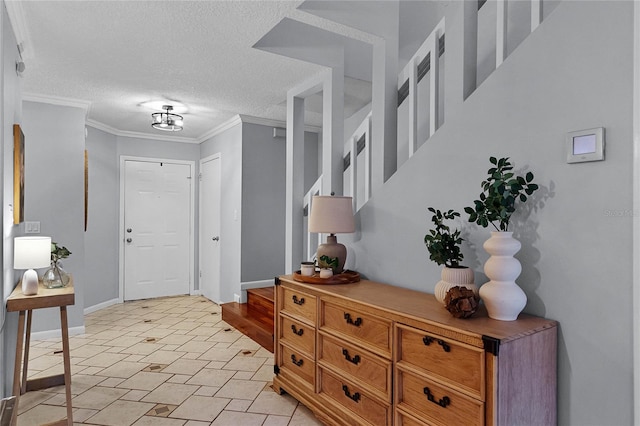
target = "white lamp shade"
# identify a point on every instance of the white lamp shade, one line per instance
(331, 215)
(31, 252)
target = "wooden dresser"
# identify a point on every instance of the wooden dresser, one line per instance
(374, 354)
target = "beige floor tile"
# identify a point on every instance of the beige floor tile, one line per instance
(159, 421)
(243, 375)
(41, 414)
(264, 373)
(44, 362)
(123, 369)
(89, 370)
(216, 365)
(304, 417)
(225, 336)
(276, 421)
(124, 341)
(107, 335)
(134, 395)
(121, 413)
(244, 363)
(238, 405)
(82, 414)
(196, 346)
(196, 423)
(103, 360)
(269, 402)
(200, 408)
(97, 397)
(31, 399)
(210, 377)
(145, 381)
(207, 390)
(88, 350)
(235, 418)
(241, 389)
(170, 393)
(162, 357)
(219, 354)
(179, 378)
(185, 366)
(142, 348)
(175, 339)
(112, 382)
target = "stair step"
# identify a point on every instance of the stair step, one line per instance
(260, 302)
(251, 323)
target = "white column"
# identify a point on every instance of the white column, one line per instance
(333, 131)
(294, 191)
(536, 14)
(434, 73)
(413, 106)
(501, 32)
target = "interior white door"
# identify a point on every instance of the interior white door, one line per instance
(210, 181)
(157, 225)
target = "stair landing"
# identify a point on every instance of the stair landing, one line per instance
(254, 318)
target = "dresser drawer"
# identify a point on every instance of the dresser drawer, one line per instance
(294, 364)
(297, 335)
(360, 327)
(437, 404)
(370, 369)
(446, 359)
(299, 304)
(355, 400)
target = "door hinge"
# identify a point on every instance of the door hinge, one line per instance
(188, 177)
(200, 176)
(200, 274)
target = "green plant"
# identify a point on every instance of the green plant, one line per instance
(499, 194)
(58, 252)
(444, 245)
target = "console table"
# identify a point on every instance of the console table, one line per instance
(373, 354)
(46, 298)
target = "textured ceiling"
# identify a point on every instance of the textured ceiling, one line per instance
(126, 58)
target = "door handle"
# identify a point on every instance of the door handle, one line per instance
(129, 240)
(216, 238)
(129, 230)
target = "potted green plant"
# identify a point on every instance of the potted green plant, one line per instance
(501, 192)
(444, 249)
(55, 276)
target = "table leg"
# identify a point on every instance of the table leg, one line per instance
(27, 343)
(16, 366)
(67, 362)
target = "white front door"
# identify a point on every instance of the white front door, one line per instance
(157, 216)
(210, 228)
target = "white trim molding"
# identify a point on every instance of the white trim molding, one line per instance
(57, 333)
(99, 306)
(57, 100)
(636, 208)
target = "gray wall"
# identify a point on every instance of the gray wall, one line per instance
(229, 145)
(101, 238)
(54, 192)
(263, 203)
(11, 113)
(573, 73)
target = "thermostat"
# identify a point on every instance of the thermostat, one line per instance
(585, 145)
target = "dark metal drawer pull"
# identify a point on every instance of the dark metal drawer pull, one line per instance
(296, 301)
(442, 402)
(444, 345)
(355, 397)
(356, 323)
(427, 340)
(355, 360)
(296, 331)
(297, 362)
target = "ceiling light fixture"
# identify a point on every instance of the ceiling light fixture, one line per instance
(167, 120)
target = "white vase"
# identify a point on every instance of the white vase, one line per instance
(454, 277)
(501, 295)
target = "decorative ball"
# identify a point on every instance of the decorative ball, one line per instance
(461, 302)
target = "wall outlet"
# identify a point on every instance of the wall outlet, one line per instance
(32, 227)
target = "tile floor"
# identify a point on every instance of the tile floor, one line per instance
(161, 362)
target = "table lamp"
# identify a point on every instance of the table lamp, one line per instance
(331, 215)
(31, 253)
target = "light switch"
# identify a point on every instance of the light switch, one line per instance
(32, 227)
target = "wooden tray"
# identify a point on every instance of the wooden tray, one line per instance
(346, 277)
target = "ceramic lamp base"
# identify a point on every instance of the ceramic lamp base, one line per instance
(30, 282)
(332, 255)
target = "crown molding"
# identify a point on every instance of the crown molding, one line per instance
(57, 100)
(138, 135)
(15, 11)
(233, 121)
(275, 123)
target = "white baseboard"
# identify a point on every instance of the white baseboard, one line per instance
(102, 305)
(256, 284)
(196, 293)
(54, 334)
